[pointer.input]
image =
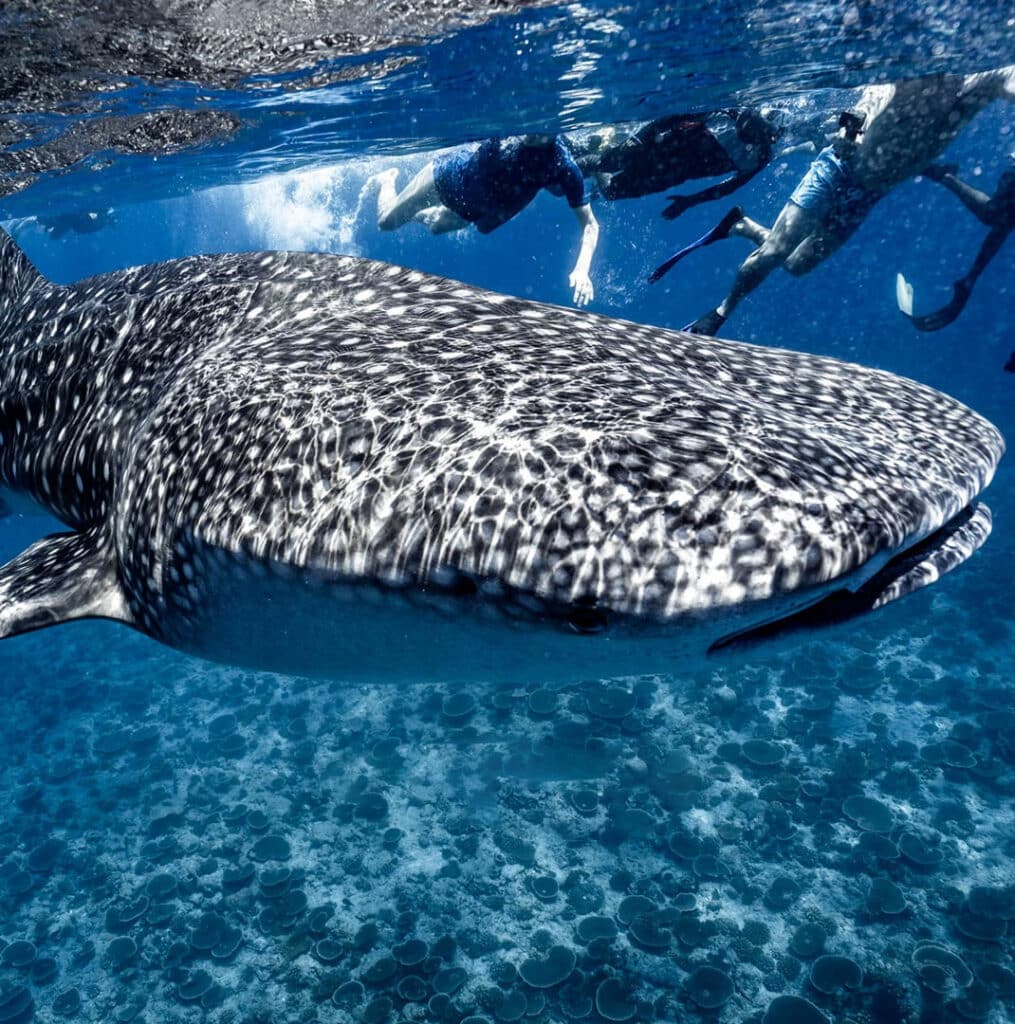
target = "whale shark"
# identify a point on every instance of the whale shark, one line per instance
(329, 465)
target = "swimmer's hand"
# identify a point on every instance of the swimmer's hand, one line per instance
(678, 204)
(800, 147)
(584, 293)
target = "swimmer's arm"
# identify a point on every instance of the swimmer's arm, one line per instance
(975, 201)
(872, 102)
(679, 203)
(800, 147)
(579, 279)
(998, 84)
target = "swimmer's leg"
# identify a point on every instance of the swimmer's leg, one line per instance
(397, 208)
(813, 250)
(963, 288)
(750, 229)
(975, 201)
(829, 235)
(792, 226)
(439, 220)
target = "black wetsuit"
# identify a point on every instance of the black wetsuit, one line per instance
(671, 150)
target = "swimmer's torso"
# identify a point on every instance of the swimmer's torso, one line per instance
(910, 124)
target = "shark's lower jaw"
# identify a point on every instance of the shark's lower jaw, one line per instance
(911, 569)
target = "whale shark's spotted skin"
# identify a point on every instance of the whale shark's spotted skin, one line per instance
(352, 422)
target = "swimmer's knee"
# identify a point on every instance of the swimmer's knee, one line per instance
(392, 218)
(768, 254)
(994, 212)
(804, 258)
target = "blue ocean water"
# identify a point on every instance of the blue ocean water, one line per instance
(831, 822)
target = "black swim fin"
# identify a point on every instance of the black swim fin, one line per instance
(709, 324)
(962, 288)
(946, 314)
(716, 234)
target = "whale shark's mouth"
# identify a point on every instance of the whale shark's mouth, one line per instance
(909, 570)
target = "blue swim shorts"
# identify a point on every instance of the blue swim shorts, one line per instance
(829, 191)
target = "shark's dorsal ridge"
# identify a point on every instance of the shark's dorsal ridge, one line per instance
(60, 578)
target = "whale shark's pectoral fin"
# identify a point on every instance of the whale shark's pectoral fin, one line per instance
(62, 577)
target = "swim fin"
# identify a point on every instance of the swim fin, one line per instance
(716, 234)
(946, 314)
(708, 324)
(904, 295)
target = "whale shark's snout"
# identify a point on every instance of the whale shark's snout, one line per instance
(333, 465)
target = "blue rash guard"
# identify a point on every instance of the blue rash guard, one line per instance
(489, 183)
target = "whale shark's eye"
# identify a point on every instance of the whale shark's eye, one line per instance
(464, 586)
(451, 581)
(587, 620)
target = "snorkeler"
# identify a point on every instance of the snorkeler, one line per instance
(895, 132)
(81, 222)
(668, 151)
(486, 185)
(997, 212)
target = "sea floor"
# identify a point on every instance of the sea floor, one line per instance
(826, 835)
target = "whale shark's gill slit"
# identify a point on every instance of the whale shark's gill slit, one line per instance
(910, 570)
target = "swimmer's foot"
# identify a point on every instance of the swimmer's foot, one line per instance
(937, 171)
(1010, 365)
(387, 194)
(709, 324)
(717, 234)
(724, 227)
(381, 177)
(946, 314)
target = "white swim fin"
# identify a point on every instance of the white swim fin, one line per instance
(904, 294)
